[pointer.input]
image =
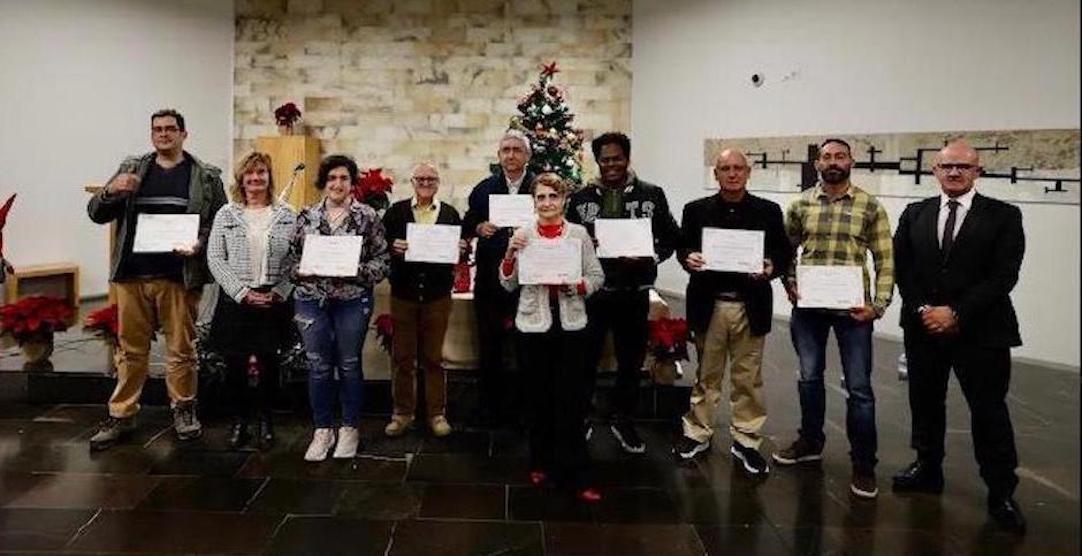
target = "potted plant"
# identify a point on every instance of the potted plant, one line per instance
(373, 189)
(286, 116)
(104, 324)
(31, 322)
(667, 346)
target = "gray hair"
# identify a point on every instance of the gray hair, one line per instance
(520, 137)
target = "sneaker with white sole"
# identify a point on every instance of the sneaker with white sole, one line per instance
(628, 437)
(800, 451)
(349, 438)
(399, 425)
(864, 485)
(686, 448)
(750, 459)
(322, 442)
(440, 427)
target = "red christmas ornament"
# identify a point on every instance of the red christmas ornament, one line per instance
(549, 70)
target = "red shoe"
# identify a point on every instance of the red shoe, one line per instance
(590, 495)
(538, 478)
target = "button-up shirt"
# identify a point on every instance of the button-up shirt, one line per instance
(425, 214)
(965, 201)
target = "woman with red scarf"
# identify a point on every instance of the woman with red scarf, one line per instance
(551, 321)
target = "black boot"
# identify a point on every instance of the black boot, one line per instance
(266, 431)
(238, 435)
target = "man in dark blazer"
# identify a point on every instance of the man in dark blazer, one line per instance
(957, 257)
(730, 313)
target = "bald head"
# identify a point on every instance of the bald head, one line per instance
(957, 167)
(730, 157)
(731, 171)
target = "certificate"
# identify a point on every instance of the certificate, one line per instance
(161, 233)
(550, 261)
(510, 211)
(830, 287)
(624, 237)
(733, 250)
(432, 243)
(331, 255)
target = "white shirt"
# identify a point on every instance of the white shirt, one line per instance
(514, 186)
(964, 202)
(258, 221)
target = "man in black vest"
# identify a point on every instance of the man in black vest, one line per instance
(957, 258)
(730, 313)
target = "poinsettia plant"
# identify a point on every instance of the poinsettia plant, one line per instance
(103, 323)
(669, 339)
(373, 188)
(287, 114)
(34, 318)
(385, 331)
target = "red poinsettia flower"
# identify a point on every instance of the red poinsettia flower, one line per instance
(385, 331)
(103, 323)
(669, 338)
(287, 114)
(373, 188)
(34, 317)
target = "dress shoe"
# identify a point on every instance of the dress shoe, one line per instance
(238, 435)
(266, 432)
(920, 476)
(1007, 514)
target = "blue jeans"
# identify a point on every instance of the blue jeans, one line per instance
(334, 331)
(809, 329)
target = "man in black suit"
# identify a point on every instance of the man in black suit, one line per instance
(730, 313)
(957, 257)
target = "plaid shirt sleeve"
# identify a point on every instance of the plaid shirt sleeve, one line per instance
(881, 244)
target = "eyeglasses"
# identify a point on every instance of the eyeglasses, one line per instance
(165, 129)
(425, 179)
(961, 167)
(724, 169)
(547, 196)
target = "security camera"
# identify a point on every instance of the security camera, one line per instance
(757, 79)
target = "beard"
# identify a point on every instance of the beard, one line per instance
(834, 175)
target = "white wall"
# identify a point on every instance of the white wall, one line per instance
(866, 66)
(80, 80)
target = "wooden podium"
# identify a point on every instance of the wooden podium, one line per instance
(286, 151)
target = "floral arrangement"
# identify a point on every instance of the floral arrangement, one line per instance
(34, 318)
(287, 114)
(373, 188)
(104, 323)
(463, 281)
(385, 331)
(669, 339)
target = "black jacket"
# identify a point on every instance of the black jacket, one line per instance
(490, 251)
(752, 213)
(417, 281)
(641, 200)
(975, 280)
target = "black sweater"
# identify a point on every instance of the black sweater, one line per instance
(417, 281)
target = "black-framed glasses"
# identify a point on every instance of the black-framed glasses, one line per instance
(425, 180)
(164, 129)
(960, 166)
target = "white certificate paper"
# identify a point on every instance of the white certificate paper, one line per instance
(550, 261)
(624, 237)
(510, 210)
(161, 233)
(733, 250)
(337, 256)
(829, 287)
(432, 243)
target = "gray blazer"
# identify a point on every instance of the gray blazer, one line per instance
(534, 314)
(227, 251)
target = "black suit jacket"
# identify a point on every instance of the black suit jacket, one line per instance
(703, 286)
(490, 251)
(975, 280)
(417, 281)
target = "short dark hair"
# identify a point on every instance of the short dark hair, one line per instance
(169, 113)
(841, 142)
(336, 161)
(611, 138)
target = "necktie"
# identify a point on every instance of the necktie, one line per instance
(948, 228)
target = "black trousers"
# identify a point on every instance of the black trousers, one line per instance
(624, 312)
(246, 399)
(494, 309)
(554, 380)
(984, 374)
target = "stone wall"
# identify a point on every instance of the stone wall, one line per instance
(395, 83)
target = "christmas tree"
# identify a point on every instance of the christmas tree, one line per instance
(546, 120)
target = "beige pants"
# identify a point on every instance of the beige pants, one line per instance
(143, 306)
(728, 339)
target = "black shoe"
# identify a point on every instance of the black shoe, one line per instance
(266, 432)
(750, 458)
(628, 438)
(687, 448)
(238, 435)
(920, 476)
(801, 450)
(1007, 514)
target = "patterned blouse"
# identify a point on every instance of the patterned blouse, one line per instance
(372, 267)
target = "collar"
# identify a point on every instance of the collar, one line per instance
(965, 199)
(514, 185)
(820, 191)
(435, 206)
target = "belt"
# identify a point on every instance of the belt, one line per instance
(729, 296)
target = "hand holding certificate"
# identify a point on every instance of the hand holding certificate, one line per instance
(432, 243)
(337, 256)
(164, 233)
(624, 237)
(830, 287)
(728, 250)
(550, 261)
(510, 211)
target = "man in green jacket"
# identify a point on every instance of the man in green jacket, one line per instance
(155, 289)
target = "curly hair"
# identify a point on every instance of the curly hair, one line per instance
(336, 161)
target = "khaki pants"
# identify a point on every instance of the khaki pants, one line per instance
(728, 339)
(419, 329)
(142, 307)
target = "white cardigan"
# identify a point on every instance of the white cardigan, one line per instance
(228, 257)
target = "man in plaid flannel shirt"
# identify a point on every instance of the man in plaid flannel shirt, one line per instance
(837, 223)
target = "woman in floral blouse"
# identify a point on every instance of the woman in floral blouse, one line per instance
(333, 313)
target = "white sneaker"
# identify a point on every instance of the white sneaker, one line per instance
(348, 440)
(322, 441)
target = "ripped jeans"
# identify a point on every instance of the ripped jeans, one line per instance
(334, 331)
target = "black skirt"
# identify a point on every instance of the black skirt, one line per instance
(245, 329)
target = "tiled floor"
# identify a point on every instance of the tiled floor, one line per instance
(468, 494)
